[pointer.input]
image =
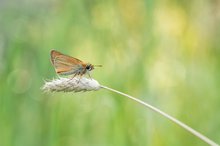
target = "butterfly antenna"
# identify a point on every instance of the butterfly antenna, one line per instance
(98, 65)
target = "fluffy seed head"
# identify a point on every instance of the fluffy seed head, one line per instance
(71, 85)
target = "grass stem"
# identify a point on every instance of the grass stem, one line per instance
(184, 126)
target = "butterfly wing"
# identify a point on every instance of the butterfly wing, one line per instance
(64, 64)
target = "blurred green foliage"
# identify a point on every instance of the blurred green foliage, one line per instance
(165, 52)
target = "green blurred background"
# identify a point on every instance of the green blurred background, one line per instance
(165, 52)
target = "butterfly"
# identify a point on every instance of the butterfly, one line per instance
(67, 65)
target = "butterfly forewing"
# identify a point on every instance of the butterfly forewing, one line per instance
(65, 64)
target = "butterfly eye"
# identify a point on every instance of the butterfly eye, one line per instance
(88, 67)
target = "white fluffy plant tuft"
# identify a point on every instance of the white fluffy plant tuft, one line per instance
(75, 84)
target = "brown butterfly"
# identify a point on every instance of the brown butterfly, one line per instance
(67, 65)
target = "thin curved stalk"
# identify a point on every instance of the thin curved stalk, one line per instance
(184, 126)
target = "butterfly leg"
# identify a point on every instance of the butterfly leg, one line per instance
(89, 75)
(73, 77)
(80, 76)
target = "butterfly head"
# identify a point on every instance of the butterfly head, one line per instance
(89, 67)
